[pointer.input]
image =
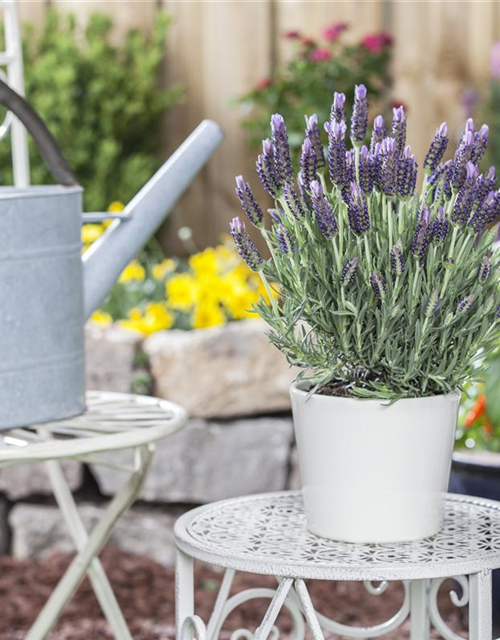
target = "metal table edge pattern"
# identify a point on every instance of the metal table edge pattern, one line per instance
(333, 570)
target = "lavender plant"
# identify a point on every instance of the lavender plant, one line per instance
(380, 291)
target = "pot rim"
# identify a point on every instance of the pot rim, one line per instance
(295, 389)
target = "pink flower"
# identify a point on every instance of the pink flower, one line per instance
(377, 42)
(332, 32)
(292, 35)
(308, 42)
(495, 60)
(319, 55)
(264, 83)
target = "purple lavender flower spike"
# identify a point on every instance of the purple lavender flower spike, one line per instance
(282, 157)
(389, 167)
(378, 285)
(422, 236)
(285, 243)
(303, 190)
(349, 271)
(484, 269)
(337, 113)
(407, 174)
(437, 149)
(378, 133)
(275, 215)
(314, 135)
(350, 163)
(308, 163)
(480, 144)
(245, 245)
(466, 196)
(485, 213)
(399, 129)
(432, 304)
(397, 260)
(440, 227)
(294, 202)
(323, 210)
(469, 125)
(377, 164)
(266, 169)
(248, 202)
(359, 118)
(366, 173)
(462, 157)
(465, 304)
(336, 153)
(359, 219)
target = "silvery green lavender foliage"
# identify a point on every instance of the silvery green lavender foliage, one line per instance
(381, 292)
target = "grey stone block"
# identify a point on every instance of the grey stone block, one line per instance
(31, 479)
(39, 531)
(110, 354)
(211, 460)
(221, 372)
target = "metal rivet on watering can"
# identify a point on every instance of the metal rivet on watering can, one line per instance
(43, 287)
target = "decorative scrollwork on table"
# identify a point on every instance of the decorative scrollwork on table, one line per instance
(193, 628)
(459, 601)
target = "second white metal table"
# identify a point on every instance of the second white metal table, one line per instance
(267, 534)
(111, 422)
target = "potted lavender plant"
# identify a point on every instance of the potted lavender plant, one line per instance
(387, 299)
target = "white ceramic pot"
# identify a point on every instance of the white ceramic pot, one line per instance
(373, 472)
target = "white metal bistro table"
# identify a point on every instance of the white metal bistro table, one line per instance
(267, 534)
(111, 422)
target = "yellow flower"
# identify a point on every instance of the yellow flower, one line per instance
(90, 233)
(156, 317)
(159, 271)
(133, 271)
(181, 291)
(204, 263)
(207, 314)
(102, 318)
(116, 206)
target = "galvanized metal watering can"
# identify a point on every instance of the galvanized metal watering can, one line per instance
(47, 290)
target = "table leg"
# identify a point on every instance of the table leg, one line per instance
(98, 578)
(419, 615)
(184, 590)
(480, 614)
(100, 535)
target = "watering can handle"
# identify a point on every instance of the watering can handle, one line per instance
(44, 140)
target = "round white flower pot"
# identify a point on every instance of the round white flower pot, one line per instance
(373, 471)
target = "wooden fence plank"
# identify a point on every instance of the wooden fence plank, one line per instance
(218, 50)
(129, 14)
(32, 12)
(429, 68)
(310, 18)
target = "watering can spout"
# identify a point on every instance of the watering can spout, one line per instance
(110, 254)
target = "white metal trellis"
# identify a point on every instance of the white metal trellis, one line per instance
(12, 60)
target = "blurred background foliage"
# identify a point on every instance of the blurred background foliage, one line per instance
(318, 68)
(100, 101)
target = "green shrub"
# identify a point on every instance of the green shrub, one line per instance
(101, 102)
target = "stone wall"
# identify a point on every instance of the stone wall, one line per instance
(238, 441)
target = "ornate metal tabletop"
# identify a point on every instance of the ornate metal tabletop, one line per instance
(267, 534)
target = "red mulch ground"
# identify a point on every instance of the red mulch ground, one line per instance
(145, 591)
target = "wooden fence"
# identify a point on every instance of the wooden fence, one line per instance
(220, 48)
